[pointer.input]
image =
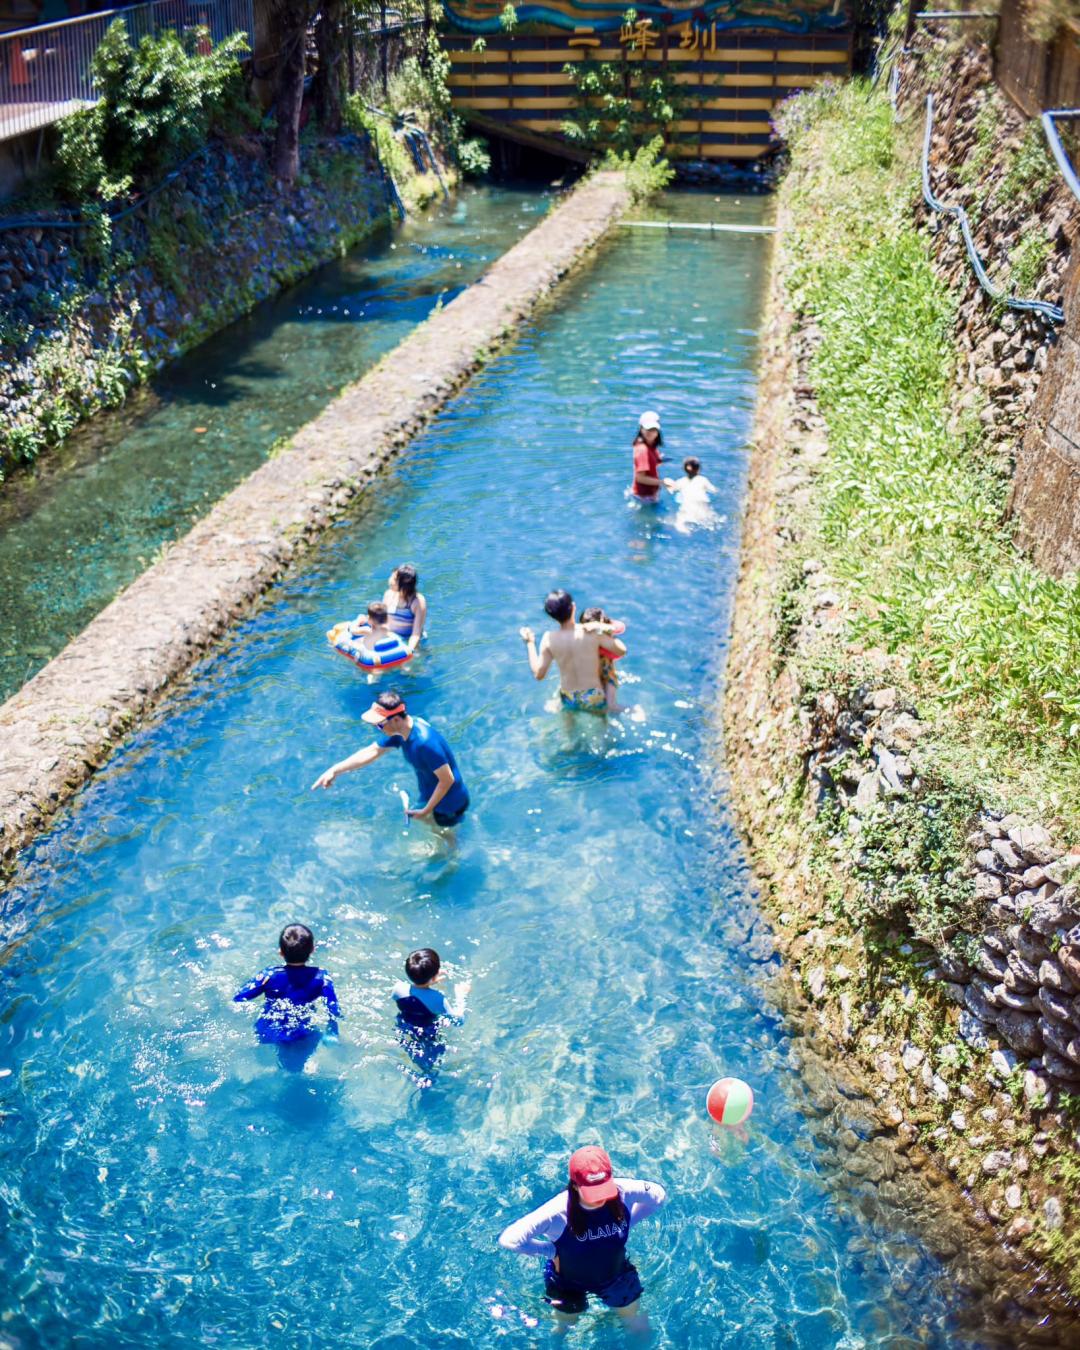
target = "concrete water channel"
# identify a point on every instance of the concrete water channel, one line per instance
(90, 516)
(165, 1182)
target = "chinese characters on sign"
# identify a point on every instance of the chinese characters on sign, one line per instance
(639, 36)
(698, 37)
(693, 36)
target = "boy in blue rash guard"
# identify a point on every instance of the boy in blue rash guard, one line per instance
(421, 1007)
(290, 990)
(438, 779)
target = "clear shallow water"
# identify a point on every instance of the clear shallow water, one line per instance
(91, 515)
(163, 1181)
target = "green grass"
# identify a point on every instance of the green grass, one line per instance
(910, 510)
(1027, 262)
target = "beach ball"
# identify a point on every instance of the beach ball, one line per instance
(730, 1101)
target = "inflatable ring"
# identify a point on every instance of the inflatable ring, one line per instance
(385, 655)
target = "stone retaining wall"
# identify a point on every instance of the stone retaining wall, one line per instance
(64, 723)
(968, 1056)
(85, 320)
(1005, 354)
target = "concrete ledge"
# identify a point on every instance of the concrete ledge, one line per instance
(65, 722)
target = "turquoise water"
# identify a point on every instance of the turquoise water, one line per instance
(87, 520)
(164, 1182)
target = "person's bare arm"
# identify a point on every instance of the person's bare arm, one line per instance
(444, 775)
(645, 479)
(539, 661)
(368, 755)
(419, 619)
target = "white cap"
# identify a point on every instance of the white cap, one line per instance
(649, 421)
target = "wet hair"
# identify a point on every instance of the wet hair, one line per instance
(559, 605)
(577, 1216)
(376, 611)
(422, 966)
(405, 581)
(691, 467)
(659, 436)
(594, 615)
(297, 942)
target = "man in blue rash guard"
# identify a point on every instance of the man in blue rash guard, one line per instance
(290, 990)
(438, 780)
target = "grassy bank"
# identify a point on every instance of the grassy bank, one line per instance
(908, 510)
(900, 677)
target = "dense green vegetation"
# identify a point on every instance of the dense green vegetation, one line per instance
(910, 511)
(157, 103)
(418, 93)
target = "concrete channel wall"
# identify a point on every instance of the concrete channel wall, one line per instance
(66, 721)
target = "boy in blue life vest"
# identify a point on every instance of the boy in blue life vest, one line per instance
(422, 1007)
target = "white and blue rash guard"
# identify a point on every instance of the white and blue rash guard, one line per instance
(423, 1007)
(593, 1259)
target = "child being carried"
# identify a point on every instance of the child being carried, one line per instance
(596, 621)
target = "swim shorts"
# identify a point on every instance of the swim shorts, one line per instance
(446, 821)
(584, 700)
(569, 1298)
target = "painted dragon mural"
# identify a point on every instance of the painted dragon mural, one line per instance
(483, 16)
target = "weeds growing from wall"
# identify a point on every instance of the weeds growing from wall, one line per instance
(911, 511)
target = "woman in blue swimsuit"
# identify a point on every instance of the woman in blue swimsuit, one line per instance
(582, 1233)
(406, 607)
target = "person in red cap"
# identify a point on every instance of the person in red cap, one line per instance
(438, 779)
(582, 1233)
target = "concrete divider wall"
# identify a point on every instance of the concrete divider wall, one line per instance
(66, 721)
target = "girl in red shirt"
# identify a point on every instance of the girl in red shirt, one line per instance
(647, 458)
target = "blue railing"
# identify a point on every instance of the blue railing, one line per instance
(46, 72)
(1054, 313)
(1061, 155)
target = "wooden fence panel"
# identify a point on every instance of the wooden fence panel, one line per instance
(1036, 75)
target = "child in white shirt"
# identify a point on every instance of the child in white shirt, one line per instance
(693, 491)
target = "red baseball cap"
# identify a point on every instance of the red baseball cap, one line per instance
(590, 1172)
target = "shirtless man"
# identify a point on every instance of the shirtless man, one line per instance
(575, 649)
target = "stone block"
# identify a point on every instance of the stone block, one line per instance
(1060, 1039)
(1031, 946)
(1069, 960)
(1052, 975)
(1054, 1005)
(1023, 972)
(1004, 997)
(1056, 911)
(1006, 854)
(1060, 1068)
(973, 1030)
(1019, 1030)
(977, 1002)
(990, 964)
(987, 886)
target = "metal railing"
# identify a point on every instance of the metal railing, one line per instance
(1057, 149)
(1052, 313)
(45, 72)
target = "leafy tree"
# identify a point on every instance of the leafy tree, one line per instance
(156, 104)
(620, 107)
